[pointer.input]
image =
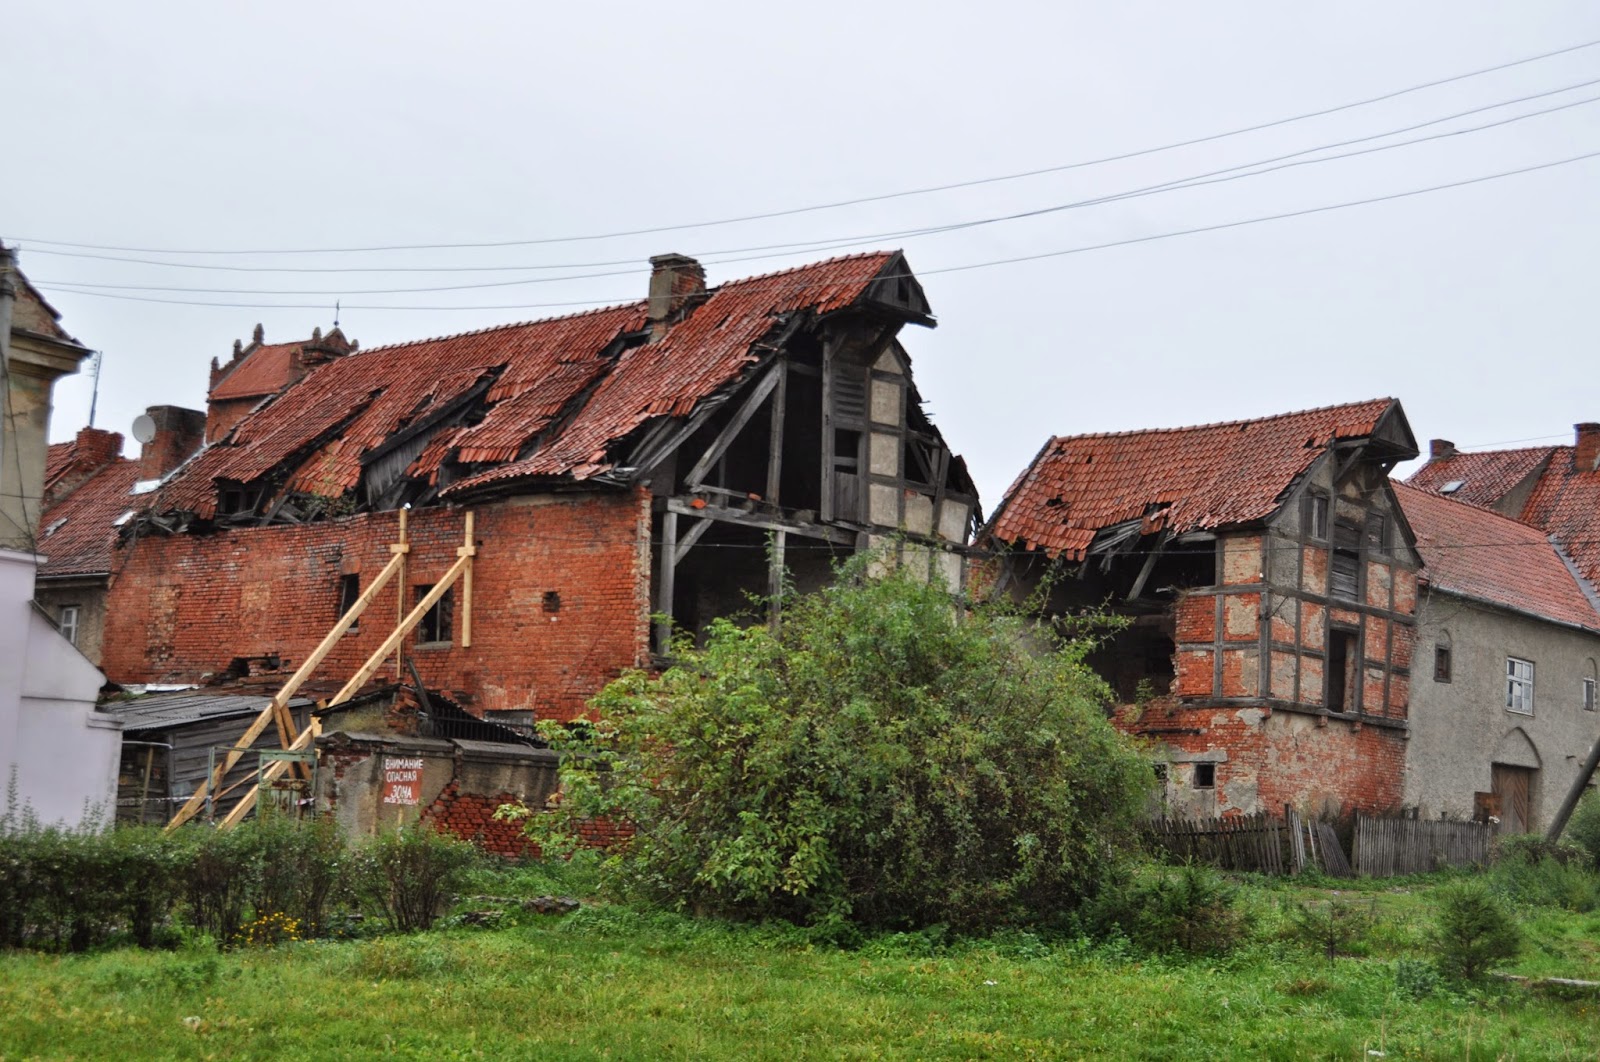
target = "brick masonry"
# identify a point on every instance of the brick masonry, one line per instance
(560, 599)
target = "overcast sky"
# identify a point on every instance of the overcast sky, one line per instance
(206, 127)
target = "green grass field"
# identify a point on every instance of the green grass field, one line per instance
(608, 982)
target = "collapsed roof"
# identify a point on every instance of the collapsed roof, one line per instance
(545, 403)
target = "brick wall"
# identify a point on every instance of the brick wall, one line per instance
(470, 816)
(560, 599)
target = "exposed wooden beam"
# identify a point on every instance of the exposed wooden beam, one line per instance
(467, 552)
(780, 402)
(666, 576)
(775, 578)
(689, 538)
(731, 430)
(688, 507)
(1149, 566)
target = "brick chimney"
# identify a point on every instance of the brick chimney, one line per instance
(1586, 447)
(93, 450)
(675, 279)
(178, 434)
(1440, 448)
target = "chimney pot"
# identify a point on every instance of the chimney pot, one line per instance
(259, 335)
(1586, 447)
(1440, 448)
(674, 280)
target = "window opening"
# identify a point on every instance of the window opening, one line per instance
(1589, 691)
(1314, 515)
(1341, 663)
(1205, 776)
(1441, 663)
(68, 623)
(349, 594)
(1377, 533)
(1344, 572)
(435, 625)
(1519, 686)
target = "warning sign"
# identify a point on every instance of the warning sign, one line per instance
(402, 779)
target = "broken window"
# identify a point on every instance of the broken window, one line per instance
(1314, 515)
(1441, 663)
(67, 624)
(1341, 666)
(1205, 776)
(435, 625)
(349, 594)
(1519, 686)
(1344, 571)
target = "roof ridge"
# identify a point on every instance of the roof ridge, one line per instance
(818, 264)
(1223, 423)
(594, 311)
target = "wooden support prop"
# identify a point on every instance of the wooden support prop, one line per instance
(775, 579)
(314, 729)
(400, 548)
(731, 430)
(467, 552)
(280, 700)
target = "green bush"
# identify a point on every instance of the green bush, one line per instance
(412, 874)
(302, 869)
(1191, 909)
(1533, 872)
(221, 874)
(880, 760)
(1473, 930)
(1583, 829)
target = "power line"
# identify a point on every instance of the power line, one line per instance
(791, 211)
(1230, 173)
(595, 303)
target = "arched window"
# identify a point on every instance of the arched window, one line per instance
(1442, 662)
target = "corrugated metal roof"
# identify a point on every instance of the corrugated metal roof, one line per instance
(1181, 479)
(1481, 554)
(162, 711)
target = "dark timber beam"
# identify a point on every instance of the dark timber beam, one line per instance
(690, 537)
(665, 579)
(1149, 566)
(731, 430)
(697, 507)
(780, 403)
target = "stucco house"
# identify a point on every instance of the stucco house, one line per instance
(1503, 707)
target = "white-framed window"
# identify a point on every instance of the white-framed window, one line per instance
(1589, 695)
(67, 623)
(1519, 685)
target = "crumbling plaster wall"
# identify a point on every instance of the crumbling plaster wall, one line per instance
(1460, 727)
(185, 605)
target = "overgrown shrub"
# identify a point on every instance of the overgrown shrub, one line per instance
(1191, 909)
(880, 760)
(412, 874)
(221, 872)
(302, 867)
(1533, 872)
(1334, 927)
(1473, 931)
(1583, 829)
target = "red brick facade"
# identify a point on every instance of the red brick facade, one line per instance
(470, 816)
(560, 599)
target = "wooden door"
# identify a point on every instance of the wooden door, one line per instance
(1513, 786)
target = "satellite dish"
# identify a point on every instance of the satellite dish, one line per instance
(144, 428)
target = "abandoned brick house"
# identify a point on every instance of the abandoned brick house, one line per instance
(1503, 707)
(1269, 580)
(668, 455)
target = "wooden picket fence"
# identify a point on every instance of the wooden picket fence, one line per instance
(1263, 843)
(1390, 847)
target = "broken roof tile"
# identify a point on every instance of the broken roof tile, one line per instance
(1184, 479)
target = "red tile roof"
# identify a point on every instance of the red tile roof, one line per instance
(1564, 502)
(1485, 477)
(57, 459)
(1180, 479)
(266, 370)
(77, 533)
(1477, 553)
(558, 396)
